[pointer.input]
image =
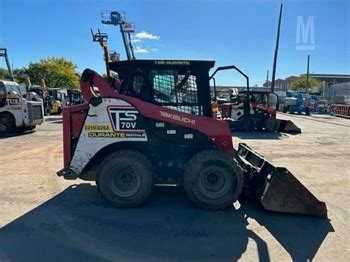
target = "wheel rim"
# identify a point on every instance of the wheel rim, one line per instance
(214, 182)
(125, 182)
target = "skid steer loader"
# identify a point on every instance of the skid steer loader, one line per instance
(155, 125)
(262, 110)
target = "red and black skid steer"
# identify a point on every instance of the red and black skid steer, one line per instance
(155, 125)
(259, 114)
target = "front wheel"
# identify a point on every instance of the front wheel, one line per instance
(7, 124)
(271, 125)
(213, 180)
(126, 178)
(248, 125)
(59, 111)
(47, 111)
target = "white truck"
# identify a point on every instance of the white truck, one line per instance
(19, 110)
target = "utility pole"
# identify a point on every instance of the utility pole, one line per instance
(307, 73)
(276, 51)
(267, 79)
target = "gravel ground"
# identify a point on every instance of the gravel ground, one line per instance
(45, 218)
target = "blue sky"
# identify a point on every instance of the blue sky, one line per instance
(230, 32)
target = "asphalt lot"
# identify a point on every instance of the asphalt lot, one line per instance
(45, 218)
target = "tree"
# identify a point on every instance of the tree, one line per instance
(4, 73)
(17, 74)
(302, 84)
(56, 71)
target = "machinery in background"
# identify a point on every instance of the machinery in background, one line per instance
(126, 28)
(74, 97)
(54, 99)
(3, 53)
(259, 113)
(322, 106)
(19, 110)
(296, 103)
(102, 38)
(340, 110)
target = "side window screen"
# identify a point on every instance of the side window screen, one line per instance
(176, 91)
(163, 84)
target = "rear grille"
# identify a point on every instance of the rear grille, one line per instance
(37, 112)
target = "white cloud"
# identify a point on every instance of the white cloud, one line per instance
(139, 49)
(154, 49)
(135, 40)
(145, 35)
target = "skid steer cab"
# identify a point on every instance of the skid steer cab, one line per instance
(19, 110)
(155, 125)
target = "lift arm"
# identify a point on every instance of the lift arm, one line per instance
(3, 53)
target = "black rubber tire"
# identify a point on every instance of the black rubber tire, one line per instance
(248, 125)
(213, 163)
(285, 109)
(307, 111)
(291, 110)
(120, 166)
(271, 125)
(27, 128)
(47, 111)
(10, 124)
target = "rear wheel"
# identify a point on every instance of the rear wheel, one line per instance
(213, 180)
(126, 178)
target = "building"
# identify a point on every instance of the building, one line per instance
(330, 79)
(326, 79)
(281, 84)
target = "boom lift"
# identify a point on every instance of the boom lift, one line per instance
(102, 38)
(118, 19)
(3, 53)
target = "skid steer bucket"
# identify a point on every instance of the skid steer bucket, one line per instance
(287, 126)
(275, 187)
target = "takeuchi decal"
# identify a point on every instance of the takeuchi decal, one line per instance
(178, 118)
